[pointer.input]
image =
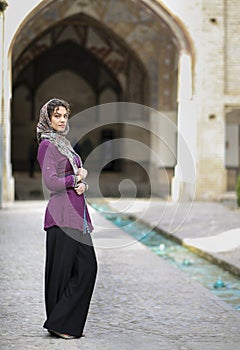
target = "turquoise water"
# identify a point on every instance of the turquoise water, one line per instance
(221, 282)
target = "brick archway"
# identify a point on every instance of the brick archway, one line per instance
(145, 21)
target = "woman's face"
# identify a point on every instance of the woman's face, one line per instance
(59, 119)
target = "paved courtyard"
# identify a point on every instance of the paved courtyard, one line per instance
(140, 301)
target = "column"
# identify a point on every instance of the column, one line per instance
(3, 6)
(7, 181)
(184, 180)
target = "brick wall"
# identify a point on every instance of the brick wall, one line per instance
(232, 46)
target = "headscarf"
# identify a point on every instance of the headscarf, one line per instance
(45, 131)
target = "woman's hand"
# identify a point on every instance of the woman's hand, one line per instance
(80, 189)
(82, 172)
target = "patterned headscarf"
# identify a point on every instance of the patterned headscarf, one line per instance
(45, 131)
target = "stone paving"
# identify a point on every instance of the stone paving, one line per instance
(140, 301)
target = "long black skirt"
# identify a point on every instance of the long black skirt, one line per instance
(70, 275)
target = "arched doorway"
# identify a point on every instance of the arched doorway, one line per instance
(112, 38)
(72, 66)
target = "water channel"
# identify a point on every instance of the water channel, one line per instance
(221, 282)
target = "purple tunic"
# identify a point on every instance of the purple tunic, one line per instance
(65, 207)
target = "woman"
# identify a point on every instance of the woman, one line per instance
(71, 265)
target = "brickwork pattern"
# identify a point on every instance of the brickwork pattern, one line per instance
(232, 47)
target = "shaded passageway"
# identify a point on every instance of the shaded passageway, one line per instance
(87, 57)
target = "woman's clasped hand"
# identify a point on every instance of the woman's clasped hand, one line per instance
(80, 189)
